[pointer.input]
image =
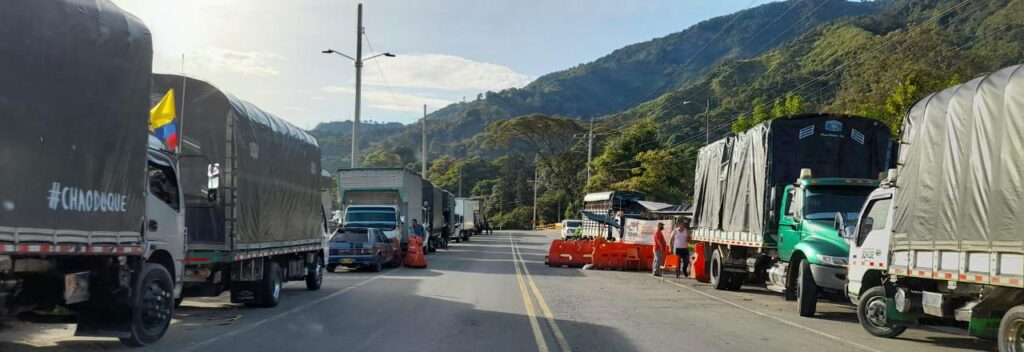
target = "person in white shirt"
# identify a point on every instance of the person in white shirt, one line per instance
(681, 247)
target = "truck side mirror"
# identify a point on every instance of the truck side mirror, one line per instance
(839, 223)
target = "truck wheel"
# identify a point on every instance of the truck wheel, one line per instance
(271, 287)
(736, 281)
(807, 291)
(790, 292)
(719, 277)
(153, 306)
(315, 276)
(871, 311)
(1011, 330)
(332, 267)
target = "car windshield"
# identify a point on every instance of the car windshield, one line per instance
(822, 203)
(351, 236)
(575, 223)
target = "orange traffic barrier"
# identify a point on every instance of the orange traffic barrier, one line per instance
(699, 268)
(671, 262)
(414, 257)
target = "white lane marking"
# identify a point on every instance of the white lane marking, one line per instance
(254, 325)
(538, 336)
(563, 344)
(784, 321)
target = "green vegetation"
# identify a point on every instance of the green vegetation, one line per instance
(873, 59)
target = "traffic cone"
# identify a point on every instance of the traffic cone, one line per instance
(414, 257)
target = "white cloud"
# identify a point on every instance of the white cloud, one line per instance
(443, 72)
(247, 63)
(384, 100)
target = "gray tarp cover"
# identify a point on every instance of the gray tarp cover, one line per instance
(737, 176)
(278, 175)
(74, 114)
(961, 163)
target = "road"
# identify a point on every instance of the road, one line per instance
(495, 294)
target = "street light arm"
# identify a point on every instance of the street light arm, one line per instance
(332, 51)
(378, 55)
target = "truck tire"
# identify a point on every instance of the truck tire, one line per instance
(736, 281)
(271, 287)
(807, 291)
(871, 312)
(152, 306)
(719, 277)
(332, 267)
(1011, 330)
(315, 275)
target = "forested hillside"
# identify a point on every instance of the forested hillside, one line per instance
(875, 63)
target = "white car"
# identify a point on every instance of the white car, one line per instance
(569, 227)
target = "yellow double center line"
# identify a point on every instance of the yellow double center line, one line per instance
(538, 335)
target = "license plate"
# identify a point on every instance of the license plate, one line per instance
(347, 260)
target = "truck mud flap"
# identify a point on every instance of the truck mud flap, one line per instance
(246, 292)
(105, 321)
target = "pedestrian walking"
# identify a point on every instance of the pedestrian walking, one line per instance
(681, 246)
(659, 250)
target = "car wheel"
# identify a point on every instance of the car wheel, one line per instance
(871, 312)
(807, 291)
(378, 265)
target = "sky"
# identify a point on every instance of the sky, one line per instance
(269, 51)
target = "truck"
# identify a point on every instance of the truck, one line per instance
(91, 215)
(253, 196)
(765, 201)
(613, 206)
(941, 240)
(384, 198)
(433, 215)
(467, 212)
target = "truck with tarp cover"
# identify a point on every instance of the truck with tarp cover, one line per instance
(765, 201)
(613, 206)
(253, 196)
(433, 215)
(91, 221)
(941, 239)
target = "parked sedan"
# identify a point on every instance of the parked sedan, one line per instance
(359, 247)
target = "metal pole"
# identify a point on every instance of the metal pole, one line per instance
(535, 171)
(707, 123)
(590, 147)
(359, 85)
(460, 180)
(423, 148)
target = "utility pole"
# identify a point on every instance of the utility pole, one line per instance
(460, 180)
(359, 84)
(423, 147)
(590, 147)
(707, 123)
(535, 172)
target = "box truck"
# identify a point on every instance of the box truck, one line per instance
(468, 212)
(384, 198)
(91, 212)
(253, 196)
(941, 239)
(765, 201)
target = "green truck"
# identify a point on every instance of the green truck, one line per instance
(765, 202)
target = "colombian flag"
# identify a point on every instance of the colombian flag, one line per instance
(161, 120)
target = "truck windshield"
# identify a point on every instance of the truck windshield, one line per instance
(381, 219)
(575, 223)
(822, 203)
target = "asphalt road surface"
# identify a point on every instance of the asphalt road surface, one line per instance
(494, 293)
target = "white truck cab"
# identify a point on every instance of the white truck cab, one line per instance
(870, 239)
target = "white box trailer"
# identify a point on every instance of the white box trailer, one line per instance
(364, 193)
(467, 215)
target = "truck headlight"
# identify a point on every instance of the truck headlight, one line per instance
(833, 261)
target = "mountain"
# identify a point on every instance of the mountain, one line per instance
(875, 66)
(632, 74)
(335, 139)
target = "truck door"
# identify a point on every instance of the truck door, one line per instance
(165, 222)
(789, 224)
(869, 249)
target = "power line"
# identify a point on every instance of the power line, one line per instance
(385, 78)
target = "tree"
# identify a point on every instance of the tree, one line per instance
(794, 104)
(548, 141)
(382, 158)
(760, 113)
(664, 175)
(619, 155)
